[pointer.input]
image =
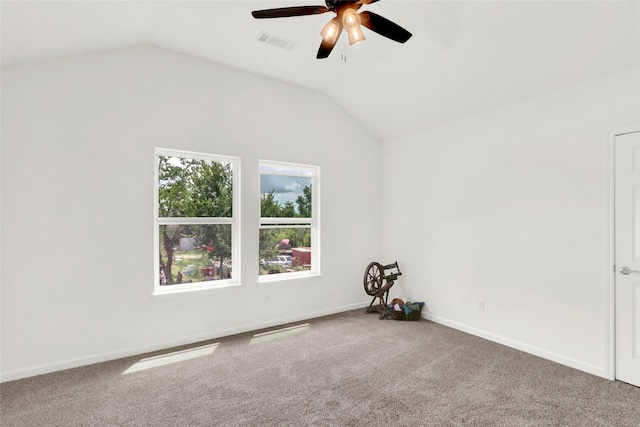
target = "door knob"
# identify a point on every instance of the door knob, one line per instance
(626, 270)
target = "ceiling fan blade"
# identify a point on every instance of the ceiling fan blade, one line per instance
(327, 46)
(367, 1)
(284, 12)
(384, 27)
(325, 49)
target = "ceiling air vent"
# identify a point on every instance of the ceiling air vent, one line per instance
(276, 41)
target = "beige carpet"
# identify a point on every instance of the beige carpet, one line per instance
(349, 369)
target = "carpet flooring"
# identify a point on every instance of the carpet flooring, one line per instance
(348, 369)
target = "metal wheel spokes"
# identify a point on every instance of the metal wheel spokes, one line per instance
(373, 278)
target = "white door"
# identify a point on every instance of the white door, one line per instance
(627, 256)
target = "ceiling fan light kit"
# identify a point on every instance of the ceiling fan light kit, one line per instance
(347, 18)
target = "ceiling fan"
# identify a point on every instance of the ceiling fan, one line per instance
(347, 17)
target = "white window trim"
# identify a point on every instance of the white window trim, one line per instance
(234, 220)
(313, 172)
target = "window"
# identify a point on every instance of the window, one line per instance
(289, 220)
(197, 212)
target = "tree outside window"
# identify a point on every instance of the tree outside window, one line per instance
(196, 225)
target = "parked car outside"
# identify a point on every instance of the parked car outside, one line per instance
(283, 260)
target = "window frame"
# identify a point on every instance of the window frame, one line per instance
(234, 221)
(290, 169)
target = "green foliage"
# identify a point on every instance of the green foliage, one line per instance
(216, 239)
(288, 210)
(184, 259)
(271, 208)
(271, 237)
(304, 203)
(194, 188)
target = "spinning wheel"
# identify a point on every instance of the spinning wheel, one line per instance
(373, 279)
(373, 286)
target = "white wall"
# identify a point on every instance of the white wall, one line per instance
(77, 202)
(511, 207)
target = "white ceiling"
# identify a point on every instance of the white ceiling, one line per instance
(464, 57)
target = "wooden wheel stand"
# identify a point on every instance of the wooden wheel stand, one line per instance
(373, 276)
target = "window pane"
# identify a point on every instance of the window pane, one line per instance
(284, 250)
(194, 253)
(189, 188)
(285, 196)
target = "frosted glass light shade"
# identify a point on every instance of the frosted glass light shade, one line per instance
(350, 19)
(356, 35)
(351, 22)
(331, 31)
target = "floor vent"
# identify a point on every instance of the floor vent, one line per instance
(276, 41)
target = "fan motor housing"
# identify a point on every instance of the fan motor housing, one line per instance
(339, 5)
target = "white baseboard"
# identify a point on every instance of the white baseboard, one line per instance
(558, 358)
(104, 357)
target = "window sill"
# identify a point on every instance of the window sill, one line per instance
(288, 277)
(182, 290)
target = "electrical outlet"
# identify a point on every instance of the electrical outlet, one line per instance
(481, 304)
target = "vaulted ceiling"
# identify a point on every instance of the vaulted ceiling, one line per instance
(464, 57)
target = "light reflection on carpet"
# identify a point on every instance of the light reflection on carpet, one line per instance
(278, 333)
(170, 358)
